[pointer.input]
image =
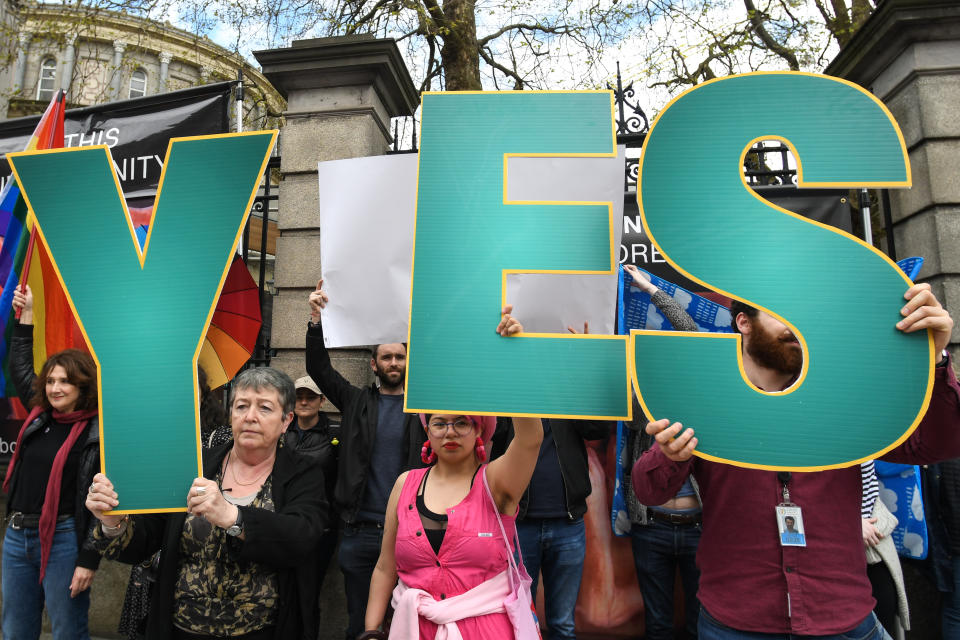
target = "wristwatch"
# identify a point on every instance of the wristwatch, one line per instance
(237, 527)
(944, 358)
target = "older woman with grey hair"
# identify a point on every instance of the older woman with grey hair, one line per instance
(238, 563)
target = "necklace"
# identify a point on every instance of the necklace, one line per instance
(236, 476)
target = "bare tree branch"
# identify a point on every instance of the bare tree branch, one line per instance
(520, 26)
(518, 81)
(756, 20)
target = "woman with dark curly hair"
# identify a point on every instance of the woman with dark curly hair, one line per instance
(47, 559)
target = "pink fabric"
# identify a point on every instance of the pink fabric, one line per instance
(472, 553)
(411, 604)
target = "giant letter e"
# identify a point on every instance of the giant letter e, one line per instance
(468, 236)
(144, 314)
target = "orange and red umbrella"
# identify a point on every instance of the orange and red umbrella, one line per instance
(234, 328)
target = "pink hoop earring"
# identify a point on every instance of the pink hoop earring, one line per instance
(428, 456)
(480, 451)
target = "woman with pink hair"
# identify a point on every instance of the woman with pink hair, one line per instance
(447, 538)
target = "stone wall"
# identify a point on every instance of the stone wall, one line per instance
(8, 49)
(341, 94)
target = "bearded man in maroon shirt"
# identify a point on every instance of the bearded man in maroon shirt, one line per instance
(753, 584)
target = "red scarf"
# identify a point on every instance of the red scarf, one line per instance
(51, 500)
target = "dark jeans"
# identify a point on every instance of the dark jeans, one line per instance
(658, 550)
(556, 547)
(24, 596)
(359, 551)
(710, 629)
(885, 593)
(951, 605)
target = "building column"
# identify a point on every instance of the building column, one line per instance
(341, 94)
(907, 55)
(25, 37)
(70, 56)
(165, 58)
(119, 46)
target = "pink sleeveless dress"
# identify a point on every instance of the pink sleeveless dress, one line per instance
(472, 552)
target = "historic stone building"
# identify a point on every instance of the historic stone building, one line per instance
(100, 56)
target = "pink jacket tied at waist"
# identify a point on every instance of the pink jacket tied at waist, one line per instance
(409, 604)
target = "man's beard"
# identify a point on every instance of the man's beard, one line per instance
(773, 352)
(389, 379)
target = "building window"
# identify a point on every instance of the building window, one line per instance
(48, 80)
(138, 84)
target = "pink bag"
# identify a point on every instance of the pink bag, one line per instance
(519, 604)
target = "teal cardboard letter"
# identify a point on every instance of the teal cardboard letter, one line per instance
(468, 236)
(144, 315)
(864, 385)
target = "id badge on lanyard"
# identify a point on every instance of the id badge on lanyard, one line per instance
(789, 518)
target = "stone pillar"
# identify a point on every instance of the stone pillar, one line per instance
(341, 94)
(25, 37)
(119, 46)
(908, 55)
(70, 55)
(165, 58)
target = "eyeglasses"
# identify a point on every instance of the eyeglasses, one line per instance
(461, 427)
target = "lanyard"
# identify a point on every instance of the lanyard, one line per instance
(784, 478)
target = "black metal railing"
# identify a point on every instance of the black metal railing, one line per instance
(264, 203)
(769, 163)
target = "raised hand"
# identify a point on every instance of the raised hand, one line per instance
(678, 448)
(100, 498)
(509, 326)
(318, 300)
(924, 311)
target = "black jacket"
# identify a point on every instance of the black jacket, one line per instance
(358, 426)
(569, 436)
(23, 375)
(321, 443)
(285, 540)
(938, 565)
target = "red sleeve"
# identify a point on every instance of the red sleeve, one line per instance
(656, 478)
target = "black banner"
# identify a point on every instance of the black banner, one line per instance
(137, 131)
(829, 206)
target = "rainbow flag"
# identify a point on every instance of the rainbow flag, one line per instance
(50, 308)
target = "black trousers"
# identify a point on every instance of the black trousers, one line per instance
(885, 592)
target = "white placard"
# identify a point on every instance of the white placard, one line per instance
(548, 303)
(366, 246)
(366, 224)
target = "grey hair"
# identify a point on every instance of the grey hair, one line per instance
(258, 378)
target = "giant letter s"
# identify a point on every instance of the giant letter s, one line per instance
(864, 385)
